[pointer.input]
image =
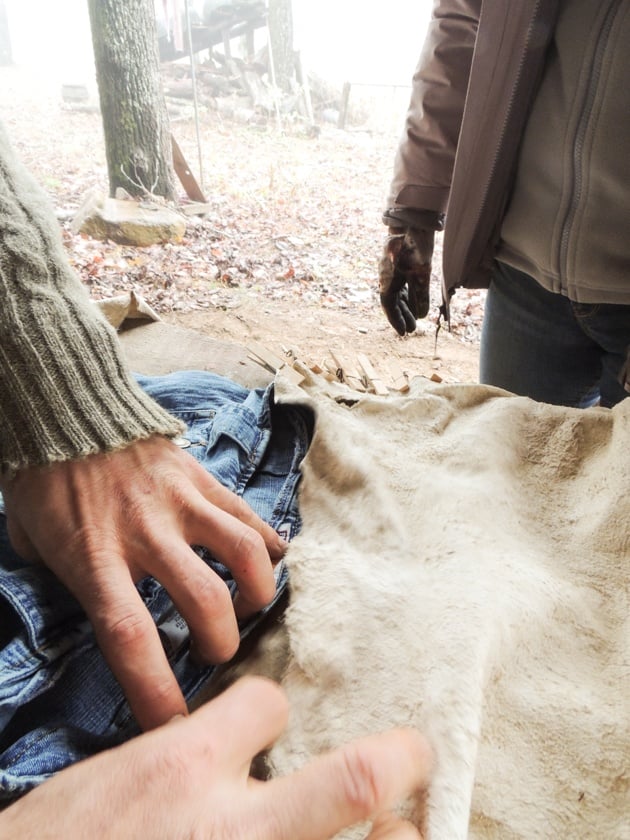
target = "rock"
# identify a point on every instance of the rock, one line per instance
(128, 222)
(75, 93)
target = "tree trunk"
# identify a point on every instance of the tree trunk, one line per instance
(135, 121)
(280, 16)
(6, 56)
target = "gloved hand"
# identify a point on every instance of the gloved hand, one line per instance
(405, 266)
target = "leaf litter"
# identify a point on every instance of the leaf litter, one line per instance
(286, 252)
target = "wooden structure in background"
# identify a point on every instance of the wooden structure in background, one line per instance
(221, 25)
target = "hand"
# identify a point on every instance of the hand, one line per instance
(190, 779)
(103, 523)
(405, 277)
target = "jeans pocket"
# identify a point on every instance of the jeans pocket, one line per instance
(228, 444)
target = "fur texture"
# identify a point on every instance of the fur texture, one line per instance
(464, 568)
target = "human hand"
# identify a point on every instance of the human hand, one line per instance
(190, 779)
(103, 523)
(387, 826)
(405, 277)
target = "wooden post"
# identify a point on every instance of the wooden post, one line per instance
(306, 89)
(227, 47)
(343, 111)
(189, 183)
(249, 41)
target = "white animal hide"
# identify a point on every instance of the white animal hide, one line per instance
(464, 568)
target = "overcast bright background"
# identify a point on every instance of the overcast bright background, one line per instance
(340, 40)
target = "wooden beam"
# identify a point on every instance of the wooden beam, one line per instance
(188, 181)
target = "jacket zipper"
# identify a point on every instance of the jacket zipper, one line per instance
(447, 293)
(577, 156)
(508, 112)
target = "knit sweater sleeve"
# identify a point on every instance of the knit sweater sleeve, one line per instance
(65, 391)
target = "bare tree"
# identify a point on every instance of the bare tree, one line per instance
(6, 56)
(281, 37)
(135, 121)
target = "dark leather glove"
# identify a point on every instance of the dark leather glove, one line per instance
(405, 266)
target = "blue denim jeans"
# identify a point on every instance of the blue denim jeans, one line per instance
(59, 702)
(542, 345)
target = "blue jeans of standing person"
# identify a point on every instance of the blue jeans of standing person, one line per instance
(59, 702)
(542, 345)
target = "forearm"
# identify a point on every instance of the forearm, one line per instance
(66, 391)
(425, 157)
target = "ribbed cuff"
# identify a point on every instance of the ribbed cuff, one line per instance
(67, 394)
(411, 217)
(65, 391)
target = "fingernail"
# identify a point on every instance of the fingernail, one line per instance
(175, 719)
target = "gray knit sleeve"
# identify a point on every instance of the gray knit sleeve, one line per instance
(65, 391)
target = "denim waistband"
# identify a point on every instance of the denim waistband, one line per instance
(59, 702)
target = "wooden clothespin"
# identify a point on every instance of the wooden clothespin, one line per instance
(345, 372)
(273, 363)
(373, 378)
(400, 377)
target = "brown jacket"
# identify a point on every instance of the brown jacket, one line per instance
(476, 78)
(518, 129)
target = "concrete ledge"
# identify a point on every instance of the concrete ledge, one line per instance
(157, 348)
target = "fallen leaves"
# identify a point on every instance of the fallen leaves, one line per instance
(290, 219)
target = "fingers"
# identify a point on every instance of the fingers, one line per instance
(105, 521)
(404, 279)
(200, 595)
(398, 313)
(202, 598)
(394, 316)
(237, 546)
(131, 646)
(227, 526)
(418, 287)
(388, 826)
(408, 314)
(230, 503)
(190, 779)
(252, 714)
(348, 785)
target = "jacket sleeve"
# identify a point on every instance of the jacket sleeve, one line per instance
(65, 389)
(424, 162)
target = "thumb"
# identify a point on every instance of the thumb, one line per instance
(387, 826)
(349, 785)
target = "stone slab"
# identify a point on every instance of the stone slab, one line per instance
(157, 348)
(128, 222)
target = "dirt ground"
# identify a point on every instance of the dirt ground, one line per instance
(287, 253)
(312, 333)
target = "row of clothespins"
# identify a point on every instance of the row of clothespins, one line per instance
(361, 376)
